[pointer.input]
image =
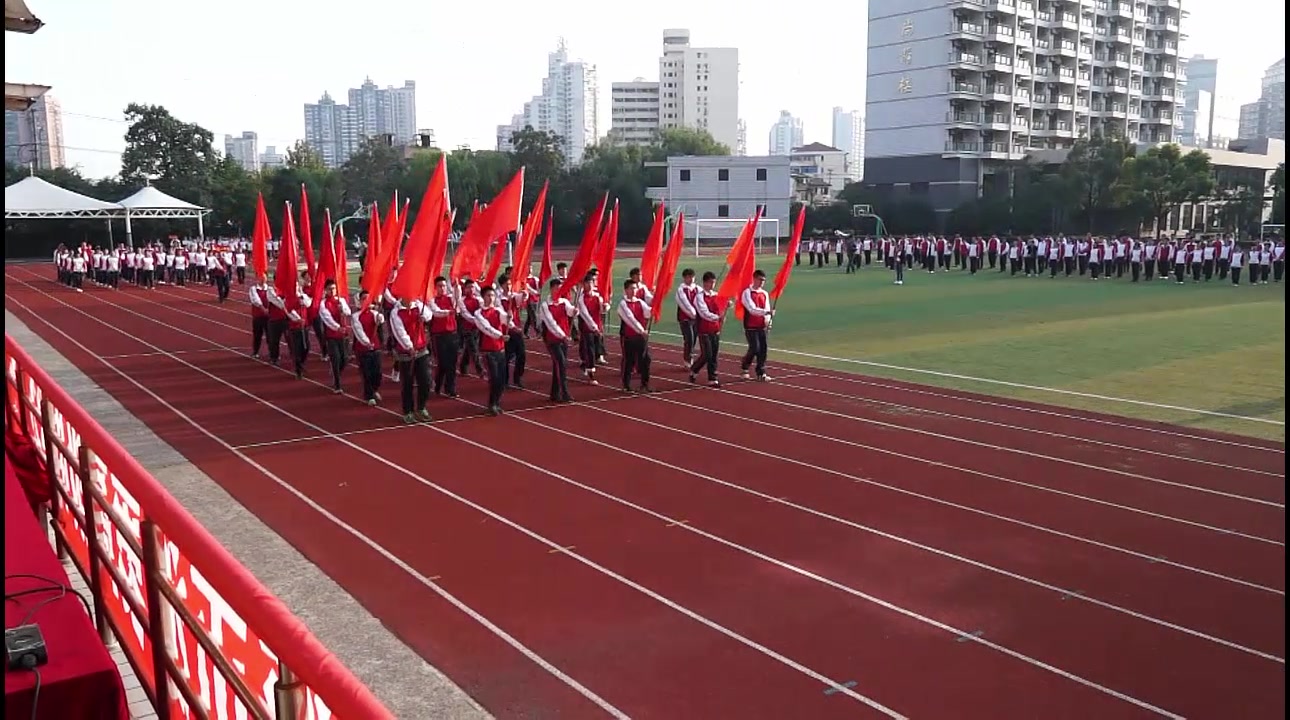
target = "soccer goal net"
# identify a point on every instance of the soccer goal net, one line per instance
(713, 236)
(1268, 229)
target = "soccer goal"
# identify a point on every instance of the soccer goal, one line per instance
(1273, 230)
(719, 234)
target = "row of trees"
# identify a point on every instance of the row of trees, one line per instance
(1103, 186)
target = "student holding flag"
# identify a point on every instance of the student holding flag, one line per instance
(408, 328)
(493, 322)
(366, 325)
(333, 313)
(757, 313)
(511, 301)
(634, 313)
(444, 307)
(555, 320)
(709, 308)
(590, 316)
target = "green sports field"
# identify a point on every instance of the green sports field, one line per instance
(1208, 346)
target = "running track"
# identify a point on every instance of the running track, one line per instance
(825, 545)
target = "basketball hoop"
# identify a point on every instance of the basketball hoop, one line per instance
(861, 210)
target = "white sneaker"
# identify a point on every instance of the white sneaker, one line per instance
(745, 375)
(764, 378)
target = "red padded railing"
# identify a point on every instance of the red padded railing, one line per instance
(205, 638)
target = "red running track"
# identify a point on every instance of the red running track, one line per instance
(828, 545)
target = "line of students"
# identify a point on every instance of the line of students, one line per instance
(433, 342)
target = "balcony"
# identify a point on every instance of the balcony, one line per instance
(967, 28)
(1067, 49)
(963, 118)
(1008, 6)
(1022, 68)
(1068, 21)
(1063, 129)
(996, 121)
(1000, 63)
(978, 5)
(1042, 45)
(998, 93)
(959, 147)
(1044, 16)
(1020, 124)
(995, 149)
(1122, 9)
(963, 88)
(1119, 60)
(1066, 75)
(964, 58)
(1002, 33)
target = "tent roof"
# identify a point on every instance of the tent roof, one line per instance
(150, 198)
(17, 18)
(34, 197)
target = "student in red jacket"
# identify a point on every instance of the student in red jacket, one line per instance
(757, 315)
(365, 326)
(555, 320)
(408, 328)
(298, 330)
(710, 311)
(444, 338)
(590, 317)
(512, 301)
(261, 310)
(333, 314)
(634, 313)
(468, 334)
(493, 323)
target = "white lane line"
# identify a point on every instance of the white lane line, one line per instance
(551, 544)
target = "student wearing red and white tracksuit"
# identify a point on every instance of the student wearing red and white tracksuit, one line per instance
(1278, 261)
(365, 325)
(591, 307)
(555, 320)
(444, 338)
(333, 313)
(261, 311)
(711, 311)
(408, 330)
(467, 331)
(687, 293)
(512, 301)
(634, 314)
(297, 322)
(493, 323)
(1236, 263)
(757, 319)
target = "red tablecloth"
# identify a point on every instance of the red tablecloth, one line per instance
(80, 682)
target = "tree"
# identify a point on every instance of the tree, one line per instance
(372, 173)
(302, 156)
(176, 156)
(1278, 187)
(1241, 209)
(673, 142)
(1093, 167)
(1162, 178)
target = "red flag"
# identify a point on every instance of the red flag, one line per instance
(342, 260)
(582, 260)
(260, 240)
(391, 222)
(416, 270)
(307, 235)
(786, 270)
(326, 271)
(528, 238)
(672, 258)
(500, 217)
(286, 279)
(743, 263)
(653, 250)
(495, 261)
(547, 271)
(373, 238)
(605, 251)
(376, 271)
(440, 250)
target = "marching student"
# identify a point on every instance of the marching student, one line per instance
(562, 274)
(367, 348)
(710, 311)
(493, 322)
(239, 264)
(511, 301)
(1197, 255)
(633, 314)
(1149, 253)
(260, 313)
(1180, 263)
(444, 307)
(1135, 262)
(687, 315)
(590, 314)
(532, 298)
(1207, 260)
(554, 322)
(757, 316)
(218, 272)
(1278, 261)
(113, 264)
(1265, 263)
(468, 331)
(408, 329)
(78, 265)
(297, 328)
(1236, 263)
(334, 314)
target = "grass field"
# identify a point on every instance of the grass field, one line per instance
(1209, 346)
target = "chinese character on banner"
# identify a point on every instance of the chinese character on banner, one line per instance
(906, 56)
(907, 30)
(905, 86)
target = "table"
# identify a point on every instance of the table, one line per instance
(80, 681)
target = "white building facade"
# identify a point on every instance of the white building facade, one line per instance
(271, 159)
(34, 137)
(787, 133)
(385, 111)
(633, 112)
(699, 88)
(330, 131)
(245, 149)
(822, 162)
(1209, 118)
(958, 88)
(848, 136)
(726, 187)
(1266, 117)
(568, 106)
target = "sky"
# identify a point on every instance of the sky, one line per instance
(238, 65)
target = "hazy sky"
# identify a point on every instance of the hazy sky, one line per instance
(237, 65)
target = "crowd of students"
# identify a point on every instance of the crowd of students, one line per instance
(177, 263)
(1094, 257)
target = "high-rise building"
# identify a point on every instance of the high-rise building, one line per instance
(1266, 117)
(34, 137)
(696, 88)
(786, 134)
(385, 111)
(331, 131)
(271, 159)
(245, 149)
(959, 88)
(1208, 117)
(848, 136)
(567, 107)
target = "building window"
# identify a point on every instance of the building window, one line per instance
(723, 175)
(723, 210)
(761, 173)
(685, 176)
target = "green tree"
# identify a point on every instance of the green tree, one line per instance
(175, 156)
(1162, 178)
(672, 142)
(233, 196)
(1241, 208)
(301, 155)
(1278, 187)
(1093, 168)
(373, 172)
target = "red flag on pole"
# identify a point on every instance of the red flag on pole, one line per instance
(286, 279)
(786, 270)
(416, 270)
(342, 260)
(605, 251)
(495, 261)
(307, 234)
(743, 263)
(326, 271)
(653, 250)
(547, 270)
(373, 238)
(260, 240)
(500, 217)
(528, 238)
(671, 258)
(582, 260)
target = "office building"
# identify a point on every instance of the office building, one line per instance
(726, 188)
(244, 149)
(959, 89)
(330, 130)
(385, 111)
(1266, 117)
(567, 106)
(34, 137)
(697, 88)
(786, 134)
(848, 136)
(1209, 118)
(271, 159)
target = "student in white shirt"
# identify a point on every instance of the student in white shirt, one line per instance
(1135, 261)
(1236, 264)
(1278, 261)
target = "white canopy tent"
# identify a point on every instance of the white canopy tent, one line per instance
(151, 203)
(35, 199)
